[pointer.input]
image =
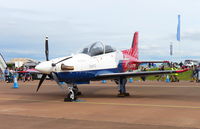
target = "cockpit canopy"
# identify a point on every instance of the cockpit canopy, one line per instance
(97, 48)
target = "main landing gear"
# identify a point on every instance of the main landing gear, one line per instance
(122, 87)
(73, 93)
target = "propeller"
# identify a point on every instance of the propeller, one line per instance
(52, 76)
(41, 81)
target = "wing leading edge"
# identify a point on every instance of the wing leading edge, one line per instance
(136, 74)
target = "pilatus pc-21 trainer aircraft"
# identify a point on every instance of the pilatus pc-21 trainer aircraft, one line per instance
(95, 62)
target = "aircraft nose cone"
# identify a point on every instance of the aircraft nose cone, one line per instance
(44, 67)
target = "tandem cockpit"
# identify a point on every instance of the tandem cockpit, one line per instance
(97, 48)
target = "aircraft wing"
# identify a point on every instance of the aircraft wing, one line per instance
(153, 61)
(136, 74)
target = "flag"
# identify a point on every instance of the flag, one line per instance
(178, 35)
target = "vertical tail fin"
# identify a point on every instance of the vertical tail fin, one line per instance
(135, 40)
(134, 48)
(133, 51)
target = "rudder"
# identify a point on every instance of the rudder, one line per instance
(134, 47)
(133, 51)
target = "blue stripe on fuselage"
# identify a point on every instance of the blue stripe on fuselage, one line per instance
(80, 76)
(85, 76)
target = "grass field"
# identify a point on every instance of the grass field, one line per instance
(181, 76)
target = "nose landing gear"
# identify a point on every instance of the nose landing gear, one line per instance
(73, 93)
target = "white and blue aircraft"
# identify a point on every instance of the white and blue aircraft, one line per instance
(96, 62)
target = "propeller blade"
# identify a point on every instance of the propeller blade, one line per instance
(50, 76)
(55, 78)
(41, 81)
(47, 49)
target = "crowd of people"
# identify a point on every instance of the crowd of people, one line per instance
(195, 71)
(19, 73)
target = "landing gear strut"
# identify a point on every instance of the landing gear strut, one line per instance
(77, 92)
(122, 87)
(72, 94)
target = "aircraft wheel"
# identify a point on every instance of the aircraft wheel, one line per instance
(79, 93)
(76, 91)
(123, 94)
(70, 97)
(127, 94)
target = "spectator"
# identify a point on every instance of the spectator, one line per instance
(197, 69)
(11, 75)
(1, 75)
(6, 74)
(173, 77)
(143, 77)
(150, 65)
(181, 64)
(28, 77)
(194, 73)
(161, 77)
(23, 77)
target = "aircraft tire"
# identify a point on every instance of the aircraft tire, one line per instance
(70, 97)
(123, 94)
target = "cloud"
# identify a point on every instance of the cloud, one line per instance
(9, 10)
(15, 51)
(192, 34)
(188, 35)
(152, 50)
(74, 24)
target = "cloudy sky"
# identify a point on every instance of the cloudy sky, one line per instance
(73, 24)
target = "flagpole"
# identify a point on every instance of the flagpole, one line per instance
(171, 51)
(179, 47)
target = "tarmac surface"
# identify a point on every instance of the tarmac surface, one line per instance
(152, 105)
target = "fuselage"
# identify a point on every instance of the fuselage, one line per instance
(86, 66)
